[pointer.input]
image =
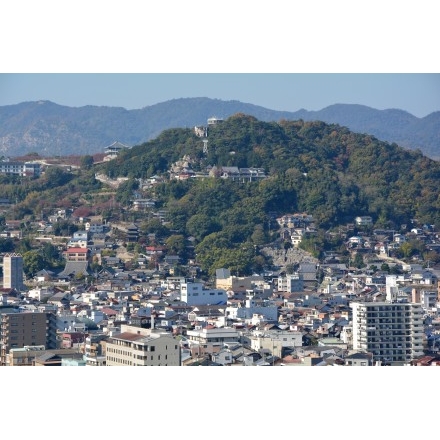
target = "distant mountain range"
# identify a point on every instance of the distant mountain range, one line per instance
(50, 129)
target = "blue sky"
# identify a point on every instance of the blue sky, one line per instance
(416, 93)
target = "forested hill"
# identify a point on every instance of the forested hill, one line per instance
(50, 129)
(314, 167)
(324, 170)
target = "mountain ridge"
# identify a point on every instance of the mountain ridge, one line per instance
(51, 129)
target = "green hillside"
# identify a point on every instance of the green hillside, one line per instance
(324, 170)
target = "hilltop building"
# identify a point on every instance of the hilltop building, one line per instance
(112, 150)
(214, 120)
(23, 169)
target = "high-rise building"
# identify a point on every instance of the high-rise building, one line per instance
(20, 329)
(391, 331)
(13, 271)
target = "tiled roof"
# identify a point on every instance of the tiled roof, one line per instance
(76, 250)
(74, 267)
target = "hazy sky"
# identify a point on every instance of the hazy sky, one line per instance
(418, 94)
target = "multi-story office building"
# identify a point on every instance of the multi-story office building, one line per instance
(136, 346)
(391, 331)
(13, 271)
(20, 329)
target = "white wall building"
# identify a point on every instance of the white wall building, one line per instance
(290, 283)
(391, 331)
(212, 337)
(195, 294)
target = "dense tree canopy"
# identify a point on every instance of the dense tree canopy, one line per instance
(322, 169)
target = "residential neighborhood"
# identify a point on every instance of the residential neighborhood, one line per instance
(138, 311)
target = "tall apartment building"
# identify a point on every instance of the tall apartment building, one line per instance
(20, 329)
(13, 271)
(137, 346)
(391, 331)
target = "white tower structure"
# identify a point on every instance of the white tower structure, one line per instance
(13, 271)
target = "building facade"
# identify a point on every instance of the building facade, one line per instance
(20, 329)
(23, 169)
(195, 294)
(13, 271)
(391, 331)
(213, 337)
(136, 346)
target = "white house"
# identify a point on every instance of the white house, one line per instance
(364, 220)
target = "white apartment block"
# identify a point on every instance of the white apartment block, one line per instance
(391, 331)
(290, 283)
(195, 294)
(137, 347)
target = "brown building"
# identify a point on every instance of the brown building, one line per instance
(73, 340)
(20, 329)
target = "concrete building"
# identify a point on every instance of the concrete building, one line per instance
(37, 355)
(22, 169)
(391, 331)
(95, 347)
(275, 341)
(13, 271)
(290, 283)
(18, 330)
(195, 294)
(224, 280)
(266, 309)
(24, 356)
(211, 338)
(137, 346)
